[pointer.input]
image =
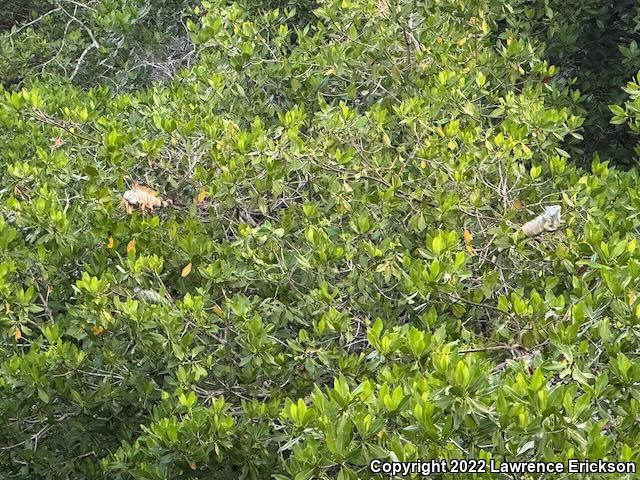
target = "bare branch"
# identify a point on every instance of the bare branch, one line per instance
(32, 22)
(81, 59)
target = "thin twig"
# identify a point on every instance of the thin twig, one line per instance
(34, 21)
(488, 349)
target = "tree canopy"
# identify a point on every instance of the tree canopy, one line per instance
(282, 239)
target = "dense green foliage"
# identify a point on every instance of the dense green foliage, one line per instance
(122, 43)
(341, 275)
(594, 43)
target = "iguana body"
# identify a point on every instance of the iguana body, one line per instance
(143, 197)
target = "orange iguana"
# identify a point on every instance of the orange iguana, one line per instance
(141, 196)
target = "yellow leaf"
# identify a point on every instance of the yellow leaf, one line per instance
(631, 247)
(110, 243)
(462, 41)
(217, 310)
(485, 26)
(17, 334)
(386, 140)
(331, 71)
(452, 145)
(517, 204)
(193, 466)
(97, 330)
(202, 196)
(131, 246)
(423, 164)
(186, 270)
(468, 237)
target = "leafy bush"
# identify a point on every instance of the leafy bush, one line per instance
(341, 275)
(122, 43)
(595, 45)
(629, 113)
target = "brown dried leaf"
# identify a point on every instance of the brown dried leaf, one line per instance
(383, 8)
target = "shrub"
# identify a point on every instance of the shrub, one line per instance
(595, 46)
(122, 44)
(341, 275)
(629, 113)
